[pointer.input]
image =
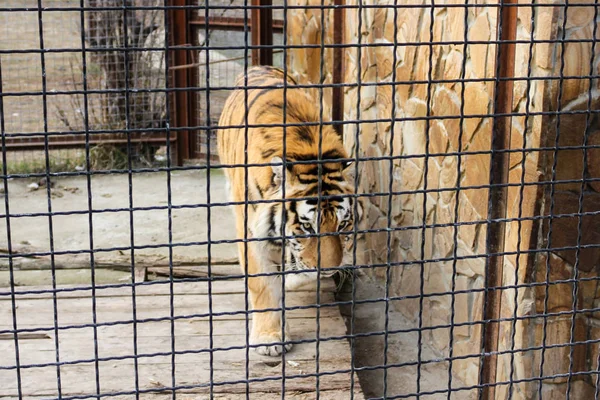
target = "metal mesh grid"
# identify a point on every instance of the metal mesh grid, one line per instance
(225, 65)
(511, 314)
(62, 31)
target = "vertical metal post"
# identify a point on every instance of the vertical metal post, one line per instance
(179, 23)
(337, 109)
(194, 82)
(261, 26)
(498, 193)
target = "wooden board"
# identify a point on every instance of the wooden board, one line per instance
(115, 371)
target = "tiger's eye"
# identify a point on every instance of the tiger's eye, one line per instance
(307, 227)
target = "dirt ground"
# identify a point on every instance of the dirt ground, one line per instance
(22, 72)
(111, 219)
(111, 228)
(402, 348)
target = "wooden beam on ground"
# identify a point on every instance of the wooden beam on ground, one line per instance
(193, 337)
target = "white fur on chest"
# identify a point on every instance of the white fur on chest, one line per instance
(298, 280)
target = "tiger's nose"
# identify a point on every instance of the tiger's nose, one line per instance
(331, 252)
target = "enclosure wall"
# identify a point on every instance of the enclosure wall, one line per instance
(426, 160)
(536, 127)
(437, 173)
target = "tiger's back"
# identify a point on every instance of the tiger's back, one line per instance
(265, 104)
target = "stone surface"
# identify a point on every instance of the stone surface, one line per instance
(413, 137)
(565, 230)
(593, 154)
(593, 348)
(557, 355)
(580, 390)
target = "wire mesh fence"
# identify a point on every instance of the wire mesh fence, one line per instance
(410, 189)
(223, 65)
(63, 30)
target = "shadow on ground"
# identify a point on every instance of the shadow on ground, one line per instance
(403, 369)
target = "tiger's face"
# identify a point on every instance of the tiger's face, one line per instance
(318, 232)
(318, 214)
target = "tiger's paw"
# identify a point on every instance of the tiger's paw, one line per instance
(270, 344)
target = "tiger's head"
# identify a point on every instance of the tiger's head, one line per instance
(319, 215)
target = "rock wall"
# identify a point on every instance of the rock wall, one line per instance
(410, 102)
(568, 166)
(305, 27)
(427, 252)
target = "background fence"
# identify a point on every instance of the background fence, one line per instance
(475, 136)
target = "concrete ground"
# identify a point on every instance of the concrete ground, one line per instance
(111, 229)
(112, 221)
(400, 377)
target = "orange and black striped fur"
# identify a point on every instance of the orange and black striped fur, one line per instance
(264, 220)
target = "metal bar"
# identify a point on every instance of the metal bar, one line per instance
(255, 30)
(507, 27)
(337, 109)
(68, 144)
(194, 81)
(179, 110)
(261, 26)
(227, 60)
(230, 23)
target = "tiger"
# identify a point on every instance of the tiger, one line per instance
(268, 180)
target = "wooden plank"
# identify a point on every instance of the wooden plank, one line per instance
(119, 377)
(337, 100)
(185, 395)
(23, 262)
(196, 271)
(34, 142)
(179, 78)
(162, 288)
(262, 32)
(192, 326)
(78, 311)
(195, 349)
(154, 344)
(498, 194)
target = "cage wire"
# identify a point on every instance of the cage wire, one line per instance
(434, 186)
(64, 78)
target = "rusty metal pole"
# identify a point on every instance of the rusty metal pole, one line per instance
(337, 109)
(178, 20)
(261, 26)
(194, 81)
(498, 193)
(230, 23)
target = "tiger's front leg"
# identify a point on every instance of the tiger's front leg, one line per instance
(265, 293)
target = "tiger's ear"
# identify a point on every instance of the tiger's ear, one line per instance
(349, 170)
(277, 166)
(277, 170)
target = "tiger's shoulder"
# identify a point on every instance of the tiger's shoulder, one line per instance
(263, 75)
(285, 124)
